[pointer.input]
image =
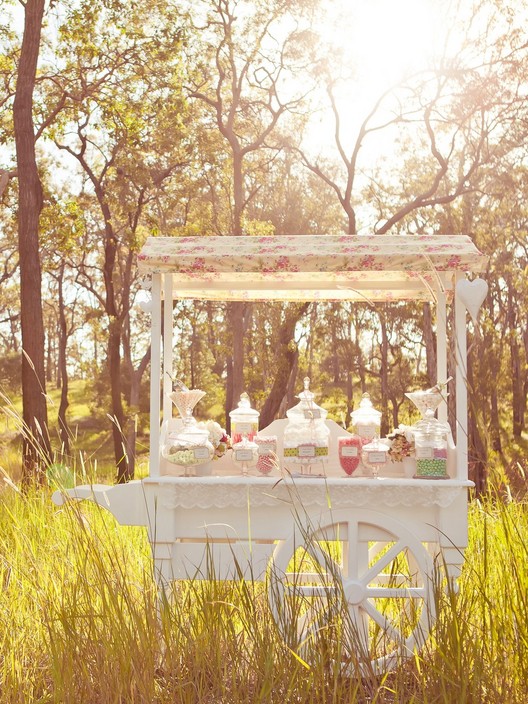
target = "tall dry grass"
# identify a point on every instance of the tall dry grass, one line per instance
(79, 622)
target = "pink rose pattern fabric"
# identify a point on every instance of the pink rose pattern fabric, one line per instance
(303, 264)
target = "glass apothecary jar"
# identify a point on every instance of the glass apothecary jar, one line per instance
(189, 445)
(306, 436)
(267, 453)
(430, 441)
(375, 456)
(245, 454)
(244, 420)
(349, 452)
(366, 419)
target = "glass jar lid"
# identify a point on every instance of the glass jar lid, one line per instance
(245, 453)
(191, 433)
(366, 414)
(431, 426)
(306, 409)
(245, 443)
(244, 411)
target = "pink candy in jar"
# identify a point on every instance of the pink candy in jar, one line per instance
(244, 420)
(267, 453)
(349, 448)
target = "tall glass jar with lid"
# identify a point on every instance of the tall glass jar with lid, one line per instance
(366, 419)
(306, 436)
(430, 442)
(244, 420)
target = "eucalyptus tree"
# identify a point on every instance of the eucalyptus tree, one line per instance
(36, 449)
(248, 57)
(121, 122)
(420, 143)
(61, 236)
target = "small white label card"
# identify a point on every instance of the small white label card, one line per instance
(312, 414)
(366, 431)
(243, 428)
(377, 457)
(266, 448)
(306, 450)
(424, 453)
(243, 455)
(348, 451)
(201, 453)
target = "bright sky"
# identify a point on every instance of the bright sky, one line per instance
(383, 39)
(376, 44)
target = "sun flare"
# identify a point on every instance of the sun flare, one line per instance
(373, 45)
(381, 42)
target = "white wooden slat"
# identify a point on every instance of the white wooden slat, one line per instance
(220, 560)
(155, 373)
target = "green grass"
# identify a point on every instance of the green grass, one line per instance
(78, 622)
(91, 436)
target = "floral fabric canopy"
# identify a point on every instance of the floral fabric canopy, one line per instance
(311, 267)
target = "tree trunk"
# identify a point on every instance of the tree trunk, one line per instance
(229, 400)
(135, 389)
(477, 448)
(311, 336)
(238, 192)
(335, 345)
(285, 360)
(115, 327)
(384, 372)
(36, 447)
(496, 442)
(237, 314)
(351, 217)
(517, 382)
(494, 355)
(117, 412)
(350, 399)
(288, 400)
(430, 345)
(64, 432)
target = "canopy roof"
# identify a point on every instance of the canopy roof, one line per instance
(311, 267)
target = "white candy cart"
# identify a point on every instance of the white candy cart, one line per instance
(351, 555)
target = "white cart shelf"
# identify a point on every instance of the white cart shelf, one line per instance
(387, 533)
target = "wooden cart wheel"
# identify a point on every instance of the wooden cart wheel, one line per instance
(359, 585)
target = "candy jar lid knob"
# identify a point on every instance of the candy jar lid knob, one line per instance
(366, 413)
(244, 400)
(306, 395)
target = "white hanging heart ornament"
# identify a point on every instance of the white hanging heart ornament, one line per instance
(472, 295)
(146, 306)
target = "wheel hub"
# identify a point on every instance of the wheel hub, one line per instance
(354, 592)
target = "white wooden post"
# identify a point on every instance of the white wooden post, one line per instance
(441, 348)
(167, 346)
(461, 385)
(155, 372)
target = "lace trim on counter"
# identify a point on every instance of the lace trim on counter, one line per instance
(221, 495)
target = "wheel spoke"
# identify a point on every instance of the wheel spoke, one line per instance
(394, 579)
(359, 630)
(375, 592)
(326, 566)
(382, 562)
(375, 549)
(310, 590)
(383, 622)
(395, 592)
(351, 556)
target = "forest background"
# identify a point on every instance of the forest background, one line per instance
(120, 120)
